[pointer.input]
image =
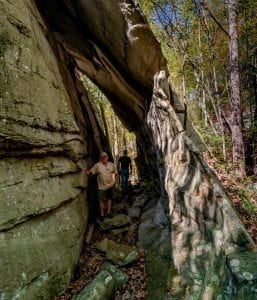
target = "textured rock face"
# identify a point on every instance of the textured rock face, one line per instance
(34, 186)
(43, 210)
(119, 254)
(30, 85)
(38, 256)
(102, 287)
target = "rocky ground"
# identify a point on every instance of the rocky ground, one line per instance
(92, 259)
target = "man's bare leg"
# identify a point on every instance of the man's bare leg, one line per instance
(109, 206)
(102, 207)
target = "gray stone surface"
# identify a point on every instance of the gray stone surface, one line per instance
(243, 266)
(120, 278)
(38, 256)
(35, 105)
(134, 212)
(119, 230)
(119, 254)
(43, 210)
(34, 186)
(140, 200)
(102, 287)
(118, 220)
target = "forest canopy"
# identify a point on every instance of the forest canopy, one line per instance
(211, 52)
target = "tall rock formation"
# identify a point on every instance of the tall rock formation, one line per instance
(44, 132)
(48, 129)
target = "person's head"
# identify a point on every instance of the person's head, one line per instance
(104, 157)
(125, 152)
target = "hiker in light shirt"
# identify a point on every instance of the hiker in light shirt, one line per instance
(106, 178)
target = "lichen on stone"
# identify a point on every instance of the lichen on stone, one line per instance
(5, 42)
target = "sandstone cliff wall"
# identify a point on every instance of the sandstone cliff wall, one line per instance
(43, 209)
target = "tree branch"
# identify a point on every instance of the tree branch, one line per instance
(205, 6)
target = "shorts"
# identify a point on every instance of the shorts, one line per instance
(105, 194)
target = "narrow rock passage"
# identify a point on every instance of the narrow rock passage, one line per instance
(119, 231)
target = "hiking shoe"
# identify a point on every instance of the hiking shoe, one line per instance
(109, 216)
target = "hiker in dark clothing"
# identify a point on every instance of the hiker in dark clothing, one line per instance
(125, 168)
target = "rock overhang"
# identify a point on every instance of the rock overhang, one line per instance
(111, 42)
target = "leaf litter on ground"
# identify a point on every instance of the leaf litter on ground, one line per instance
(91, 260)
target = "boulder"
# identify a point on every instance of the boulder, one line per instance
(129, 229)
(134, 212)
(117, 221)
(120, 278)
(102, 287)
(119, 230)
(119, 254)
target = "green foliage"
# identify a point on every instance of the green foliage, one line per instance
(245, 195)
(213, 141)
(118, 134)
(197, 50)
(253, 129)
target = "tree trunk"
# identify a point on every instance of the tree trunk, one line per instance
(204, 108)
(202, 102)
(254, 138)
(115, 139)
(236, 118)
(104, 121)
(217, 98)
